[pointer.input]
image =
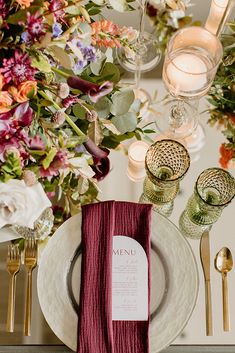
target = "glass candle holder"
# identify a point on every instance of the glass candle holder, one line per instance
(136, 160)
(214, 190)
(192, 58)
(166, 163)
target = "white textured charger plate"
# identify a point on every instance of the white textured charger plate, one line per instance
(174, 282)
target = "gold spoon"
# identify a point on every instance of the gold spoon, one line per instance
(224, 264)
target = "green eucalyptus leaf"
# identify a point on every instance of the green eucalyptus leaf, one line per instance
(72, 10)
(125, 123)
(122, 101)
(110, 72)
(102, 107)
(79, 111)
(97, 66)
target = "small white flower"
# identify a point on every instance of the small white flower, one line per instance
(21, 204)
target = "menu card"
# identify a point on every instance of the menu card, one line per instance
(129, 280)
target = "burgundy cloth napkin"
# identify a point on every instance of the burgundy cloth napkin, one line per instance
(97, 333)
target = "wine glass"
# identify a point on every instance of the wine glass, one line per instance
(147, 52)
(191, 61)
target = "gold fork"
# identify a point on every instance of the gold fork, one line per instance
(13, 267)
(30, 262)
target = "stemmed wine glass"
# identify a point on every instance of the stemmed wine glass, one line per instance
(191, 61)
(147, 52)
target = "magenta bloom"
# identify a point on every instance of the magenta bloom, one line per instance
(34, 28)
(101, 165)
(94, 91)
(56, 7)
(3, 9)
(36, 143)
(18, 68)
(59, 162)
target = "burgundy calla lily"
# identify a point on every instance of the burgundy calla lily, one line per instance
(94, 91)
(101, 165)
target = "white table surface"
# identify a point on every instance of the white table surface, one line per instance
(117, 186)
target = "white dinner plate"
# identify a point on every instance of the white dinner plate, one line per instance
(174, 282)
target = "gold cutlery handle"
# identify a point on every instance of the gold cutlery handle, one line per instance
(209, 326)
(226, 320)
(11, 304)
(28, 306)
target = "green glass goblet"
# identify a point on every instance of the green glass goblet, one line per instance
(166, 163)
(214, 190)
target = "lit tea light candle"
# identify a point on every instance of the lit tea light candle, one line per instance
(186, 73)
(136, 162)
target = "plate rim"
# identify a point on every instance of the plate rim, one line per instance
(42, 267)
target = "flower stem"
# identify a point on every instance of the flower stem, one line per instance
(67, 118)
(60, 72)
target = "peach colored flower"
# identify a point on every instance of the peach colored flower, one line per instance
(5, 102)
(1, 81)
(21, 93)
(24, 3)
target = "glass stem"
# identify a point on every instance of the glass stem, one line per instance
(177, 115)
(140, 43)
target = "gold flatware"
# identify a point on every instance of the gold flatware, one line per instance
(13, 267)
(30, 262)
(205, 260)
(224, 264)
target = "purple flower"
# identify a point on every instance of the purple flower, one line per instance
(57, 29)
(79, 65)
(89, 53)
(101, 165)
(94, 91)
(18, 68)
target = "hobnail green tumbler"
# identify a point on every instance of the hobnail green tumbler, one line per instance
(166, 163)
(214, 190)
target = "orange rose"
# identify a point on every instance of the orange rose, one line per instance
(21, 94)
(24, 3)
(1, 81)
(5, 102)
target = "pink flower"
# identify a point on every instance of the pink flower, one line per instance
(56, 7)
(18, 68)
(59, 162)
(36, 143)
(94, 91)
(3, 9)
(34, 28)
(67, 102)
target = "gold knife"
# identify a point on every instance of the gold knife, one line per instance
(205, 260)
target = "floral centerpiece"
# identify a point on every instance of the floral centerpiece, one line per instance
(61, 108)
(222, 98)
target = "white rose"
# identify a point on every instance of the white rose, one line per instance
(21, 204)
